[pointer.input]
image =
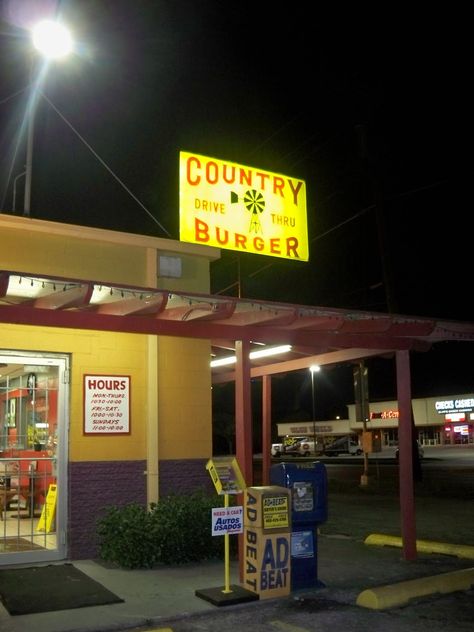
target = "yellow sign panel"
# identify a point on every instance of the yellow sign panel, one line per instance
(235, 207)
(226, 475)
(45, 522)
(275, 512)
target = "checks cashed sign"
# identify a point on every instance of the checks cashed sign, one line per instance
(241, 208)
(106, 404)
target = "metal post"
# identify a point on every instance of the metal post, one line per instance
(20, 175)
(314, 413)
(30, 113)
(29, 159)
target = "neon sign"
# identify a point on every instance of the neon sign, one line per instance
(454, 405)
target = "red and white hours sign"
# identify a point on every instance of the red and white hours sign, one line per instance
(106, 404)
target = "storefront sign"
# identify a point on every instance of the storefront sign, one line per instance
(311, 429)
(454, 406)
(456, 417)
(385, 414)
(235, 207)
(106, 404)
(464, 429)
(227, 520)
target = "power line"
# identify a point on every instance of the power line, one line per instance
(11, 96)
(89, 147)
(104, 164)
(317, 237)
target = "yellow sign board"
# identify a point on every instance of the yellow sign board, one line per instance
(226, 475)
(241, 208)
(45, 523)
(275, 512)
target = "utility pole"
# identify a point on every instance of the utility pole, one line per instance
(374, 177)
(361, 393)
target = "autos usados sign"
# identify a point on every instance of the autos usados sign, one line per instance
(227, 520)
(242, 208)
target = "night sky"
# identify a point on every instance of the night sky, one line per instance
(360, 106)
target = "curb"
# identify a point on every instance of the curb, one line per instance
(399, 594)
(423, 546)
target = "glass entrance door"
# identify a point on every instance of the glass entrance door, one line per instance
(32, 457)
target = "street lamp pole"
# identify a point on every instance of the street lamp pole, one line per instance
(53, 41)
(314, 368)
(29, 150)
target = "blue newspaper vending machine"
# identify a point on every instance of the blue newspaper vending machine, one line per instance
(309, 508)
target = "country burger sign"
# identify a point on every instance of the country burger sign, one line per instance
(242, 208)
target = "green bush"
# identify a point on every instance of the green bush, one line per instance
(183, 527)
(127, 537)
(176, 530)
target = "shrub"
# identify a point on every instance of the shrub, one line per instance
(176, 530)
(127, 537)
(183, 527)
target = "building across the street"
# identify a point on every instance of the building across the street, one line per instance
(446, 420)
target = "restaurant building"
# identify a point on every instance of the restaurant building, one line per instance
(94, 417)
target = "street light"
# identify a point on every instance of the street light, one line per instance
(54, 42)
(314, 368)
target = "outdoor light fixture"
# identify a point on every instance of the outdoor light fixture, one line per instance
(261, 353)
(52, 39)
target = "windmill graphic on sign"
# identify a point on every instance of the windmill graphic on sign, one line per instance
(254, 204)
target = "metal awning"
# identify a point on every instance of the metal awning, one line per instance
(316, 334)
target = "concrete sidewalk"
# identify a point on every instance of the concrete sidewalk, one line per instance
(165, 597)
(160, 596)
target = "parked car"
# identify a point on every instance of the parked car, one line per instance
(295, 446)
(343, 445)
(298, 446)
(421, 451)
(277, 449)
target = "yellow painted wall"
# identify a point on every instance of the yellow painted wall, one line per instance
(80, 259)
(184, 398)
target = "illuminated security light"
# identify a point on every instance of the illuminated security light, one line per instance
(315, 368)
(102, 294)
(261, 353)
(22, 287)
(223, 361)
(51, 39)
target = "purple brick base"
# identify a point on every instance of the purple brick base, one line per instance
(95, 485)
(184, 476)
